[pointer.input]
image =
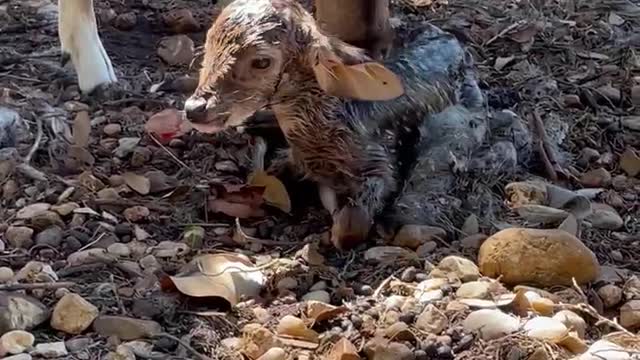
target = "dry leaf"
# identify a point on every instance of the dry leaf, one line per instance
(240, 201)
(291, 327)
(257, 340)
(570, 225)
(275, 193)
(367, 81)
(81, 129)
(573, 343)
(521, 304)
(319, 311)
(630, 162)
(543, 306)
(501, 62)
(227, 276)
(138, 183)
(343, 350)
(167, 124)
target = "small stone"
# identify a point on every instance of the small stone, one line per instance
(19, 237)
(45, 220)
(596, 178)
(126, 145)
(6, 274)
(136, 213)
(616, 255)
(160, 181)
(18, 357)
(73, 314)
(474, 290)
(572, 101)
(382, 349)
(51, 236)
(491, 323)
(181, 21)
(320, 295)
(50, 350)
(65, 209)
(274, 353)
(320, 285)
(426, 249)
(261, 315)
(16, 342)
(116, 180)
(631, 122)
(432, 320)
(150, 264)
(572, 321)
(176, 50)
(126, 21)
(611, 295)
(545, 257)
(463, 268)
(412, 236)
(126, 328)
(288, 283)
(605, 217)
(170, 249)
(635, 95)
(473, 241)
(20, 312)
(388, 254)
(409, 274)
(140, 156)
(588, 156)
(226, 166)
(630, 315)
(112, 130)
(610, 93)
(123, 229)
(119, 249)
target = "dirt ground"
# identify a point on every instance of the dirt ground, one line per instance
(571, 65)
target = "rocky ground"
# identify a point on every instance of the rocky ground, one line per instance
(118, 244)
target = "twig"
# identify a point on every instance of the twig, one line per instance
(90, 244)
(36, 143)
(503, 32)
(185, 345)
(114, 288)
(129, 203)
(383, 285)
(173, 156)
(34, 286)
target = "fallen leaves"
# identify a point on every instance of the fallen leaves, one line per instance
(240, 201)
(275, 193)
(343, 350)
(227, 276)
(293, 331)
(167, 125)
(138, 183)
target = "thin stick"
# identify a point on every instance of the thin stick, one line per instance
(173, 156)
(36, 143)
(503, 32)
(383, 285)
(34, 286)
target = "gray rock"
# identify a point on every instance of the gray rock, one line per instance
(20, 312)
(51, 236)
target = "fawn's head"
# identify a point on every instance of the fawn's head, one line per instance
(258, 51)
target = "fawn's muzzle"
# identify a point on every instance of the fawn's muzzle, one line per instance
(196, 109)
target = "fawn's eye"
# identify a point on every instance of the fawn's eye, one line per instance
(261, 63)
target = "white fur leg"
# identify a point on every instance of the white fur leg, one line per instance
(79, 38)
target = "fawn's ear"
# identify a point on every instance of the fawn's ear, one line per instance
(364, 80)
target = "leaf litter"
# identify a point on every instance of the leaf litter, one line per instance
(573, 65)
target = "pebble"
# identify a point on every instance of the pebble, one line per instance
(602, 349)
(226, 166)
(112, 130)
(611, 295)
(6, 274)
(545, 257)
(78, 344)
(474, 290)
(18, 357)
(287, 283)
(320, 295)
(412, 236)
(140, 156)
(181, 21)
(605, 217)
(572, 321)
(599, 177)
(384, 254)
(545, 328)
(126, 21)
(463, 268)
(16, 342)
(473, 241)
(432, 320)
(136, 213)
(150, 264)
(119, 249)
(19, 237)
(426, 249)
(50, 350)
(51, 236)
(176, 50)
(275, 353)
(409, 274)
(490, 323)
(65, 209)
(630, 315)
(21, 312)
(126, 328)
(587, 156)
(320, 285)
(73, 314)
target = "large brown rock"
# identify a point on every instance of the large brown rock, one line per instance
(543, 257)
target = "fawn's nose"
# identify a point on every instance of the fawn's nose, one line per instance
(196, 108)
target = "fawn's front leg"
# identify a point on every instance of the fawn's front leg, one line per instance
(353, 222)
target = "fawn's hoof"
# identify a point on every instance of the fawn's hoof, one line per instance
(350, 228)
